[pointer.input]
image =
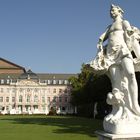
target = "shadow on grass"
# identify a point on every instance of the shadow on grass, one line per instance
(72, 125)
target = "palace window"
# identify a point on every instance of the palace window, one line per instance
(1, 108)
(43, 90)
(54, 99)
(35, 98)
(43, 99)
(28, 89)
(1, 99)
(48, 99)
(13, 106)
(60, 90)
(8, 81)
(66, 90)
(28, 98)
(49, 82)
(60, 82)
(14, 90)
(20, 90)
(35, 107)
(36, 90)
(7, 108)
(20, 98)
(63, 108)
(7, 99)
(66, 82)
(13, 99)
(8, 90)
(48, 90)
(60, 99)
(2, 81)
(66, 99)
(43, 107)
(54, 81)
(54, 90)
(1, 90)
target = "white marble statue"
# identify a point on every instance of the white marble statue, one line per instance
(115, 60)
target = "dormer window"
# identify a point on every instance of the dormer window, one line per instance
(28, 77)
(49, 82)
(60, 82)
(66, 82)
(8, 81)
(54, 81)
(2, 81)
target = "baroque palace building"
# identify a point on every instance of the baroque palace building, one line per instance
(26, 92)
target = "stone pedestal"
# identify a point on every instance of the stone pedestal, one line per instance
(107, 136)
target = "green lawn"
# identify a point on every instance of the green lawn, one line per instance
(48, 128)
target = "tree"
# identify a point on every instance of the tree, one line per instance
(88, 89)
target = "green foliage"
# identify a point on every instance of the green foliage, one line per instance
(89, 88)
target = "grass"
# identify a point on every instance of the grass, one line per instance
(48, 128)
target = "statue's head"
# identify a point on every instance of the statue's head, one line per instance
(115, 11)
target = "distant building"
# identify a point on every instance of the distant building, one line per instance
(26, 92)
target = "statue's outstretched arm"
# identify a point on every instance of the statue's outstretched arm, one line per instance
(103, 38)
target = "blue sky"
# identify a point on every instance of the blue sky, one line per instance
(56, 36)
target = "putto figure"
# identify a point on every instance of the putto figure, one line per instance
(115, 59)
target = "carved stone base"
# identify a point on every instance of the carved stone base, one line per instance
(122, 127)
(122, 123)
(107, 136)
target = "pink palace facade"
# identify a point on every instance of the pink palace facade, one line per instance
(26, 92)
